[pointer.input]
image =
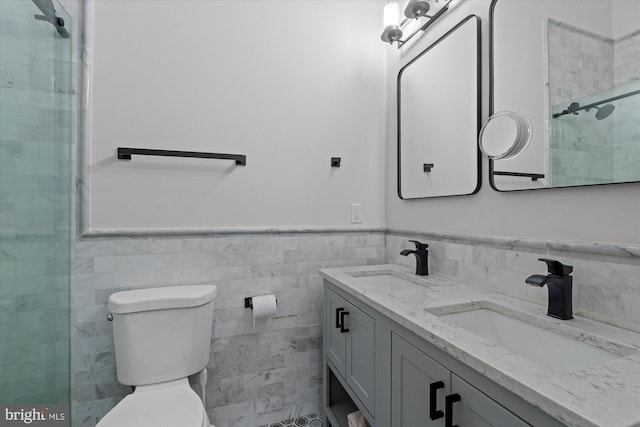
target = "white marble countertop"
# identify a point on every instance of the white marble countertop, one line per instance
(607, 394)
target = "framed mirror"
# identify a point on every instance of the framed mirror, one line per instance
(439, 116)
(572, 68)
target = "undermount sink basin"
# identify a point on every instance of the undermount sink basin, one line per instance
(547, 348)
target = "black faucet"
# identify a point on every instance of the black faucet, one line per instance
(422, 254)
(560, 284)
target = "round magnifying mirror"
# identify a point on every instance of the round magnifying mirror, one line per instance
(505, 135)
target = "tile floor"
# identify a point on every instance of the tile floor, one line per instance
(313, 420)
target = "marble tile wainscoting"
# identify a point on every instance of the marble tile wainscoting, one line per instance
(606, 284)
(273, 374)
(255, 378)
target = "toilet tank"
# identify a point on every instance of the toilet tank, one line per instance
(162, 334)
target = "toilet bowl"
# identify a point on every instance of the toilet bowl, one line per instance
(161, 336)
(169, 404)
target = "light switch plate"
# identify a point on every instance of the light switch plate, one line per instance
(356, 213)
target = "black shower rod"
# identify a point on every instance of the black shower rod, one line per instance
(594, 104)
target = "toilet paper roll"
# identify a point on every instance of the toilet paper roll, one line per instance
(264, 307)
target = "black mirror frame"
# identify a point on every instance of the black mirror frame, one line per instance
(492, 110)
(478, 108)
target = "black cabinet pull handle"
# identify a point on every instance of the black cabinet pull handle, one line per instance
(448, 408)
(338, 318)
(434, 414)
(342, 328)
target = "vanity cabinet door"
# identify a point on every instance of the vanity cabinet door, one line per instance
(419, 385)
(336, 339)
(350, 339)
(477, 409)
(360, 355)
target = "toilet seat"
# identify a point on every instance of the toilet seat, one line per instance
(169, 404)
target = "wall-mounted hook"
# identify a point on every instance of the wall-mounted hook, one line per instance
(427, 167)
(335, 162)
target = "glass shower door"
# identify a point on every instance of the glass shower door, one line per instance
(35, 209)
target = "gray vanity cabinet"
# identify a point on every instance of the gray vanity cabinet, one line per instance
(350, 338)
(418, 386)
(398, 379)
(477, 409)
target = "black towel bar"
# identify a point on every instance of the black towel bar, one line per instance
(533, 176)
(125, 153)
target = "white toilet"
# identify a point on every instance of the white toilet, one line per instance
(162, 336)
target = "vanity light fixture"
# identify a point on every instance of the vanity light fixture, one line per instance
(415, 9)
(392, 31)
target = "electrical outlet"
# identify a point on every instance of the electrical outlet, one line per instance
(356, 213)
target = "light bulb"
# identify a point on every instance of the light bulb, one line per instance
(390, 14)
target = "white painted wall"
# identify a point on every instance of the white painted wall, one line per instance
(600, 214)
(626, 17)
(288, 83)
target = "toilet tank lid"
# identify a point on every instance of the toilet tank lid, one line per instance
(161, 298)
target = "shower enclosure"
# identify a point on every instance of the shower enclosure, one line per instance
(595, 138)
(35, 201)
(594, 98)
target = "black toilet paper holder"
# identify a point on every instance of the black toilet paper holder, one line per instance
(248, 302)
